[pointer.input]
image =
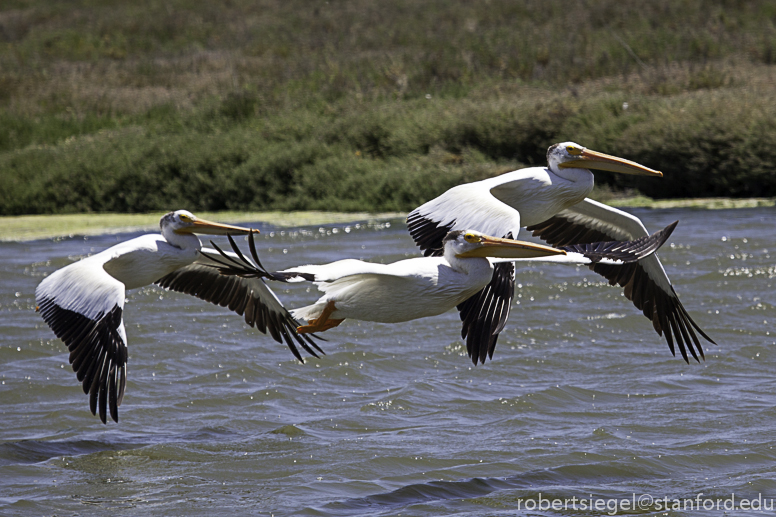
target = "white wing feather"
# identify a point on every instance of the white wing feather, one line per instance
(86, 288)
(472, 206)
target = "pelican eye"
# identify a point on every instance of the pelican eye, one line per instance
(573, 150)
(470, 237)
(185, 218)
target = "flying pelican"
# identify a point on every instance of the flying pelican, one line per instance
(84, 301)
(427, 286)
(552, 203)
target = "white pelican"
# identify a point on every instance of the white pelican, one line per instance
(83, 302)
(551, 202)
(428, 286)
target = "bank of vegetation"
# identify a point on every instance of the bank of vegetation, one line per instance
(372, 106)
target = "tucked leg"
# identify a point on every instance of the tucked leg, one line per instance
(322, 322)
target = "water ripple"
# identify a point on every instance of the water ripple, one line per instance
(582, 396)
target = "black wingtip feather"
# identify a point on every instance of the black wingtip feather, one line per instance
(484, 314)
(427, 234)
(282, 276)
(96, 348)
(226, 288)
(667, 313)
(113, 394)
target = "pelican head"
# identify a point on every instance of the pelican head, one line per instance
(183, 221)
(470, 243)
(572, 155)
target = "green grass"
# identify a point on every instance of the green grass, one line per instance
(376, 106)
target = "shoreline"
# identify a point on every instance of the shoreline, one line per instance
(33, 227)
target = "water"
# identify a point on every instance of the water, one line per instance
(582, 398)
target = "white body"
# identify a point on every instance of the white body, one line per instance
(500, 205)
(142, 261)
(94, 285)
(391, 293)
(408, 289)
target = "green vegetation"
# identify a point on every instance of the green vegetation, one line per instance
(372, 106)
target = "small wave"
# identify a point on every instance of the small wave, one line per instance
(208, 434)
(35, 451)
(595, 474)
(421, 493)
(289, 430)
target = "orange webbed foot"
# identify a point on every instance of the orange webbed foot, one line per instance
(322, 323)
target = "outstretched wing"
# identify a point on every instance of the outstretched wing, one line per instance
(234, 281)
(83, 305)
(472, 206)
(485, 314)
(646, 282)
(485, 206)
(466, 207)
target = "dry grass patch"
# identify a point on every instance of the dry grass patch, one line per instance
(33, 227)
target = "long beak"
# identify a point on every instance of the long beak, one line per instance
(595, 160)
(209, 227)
(507, 248)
